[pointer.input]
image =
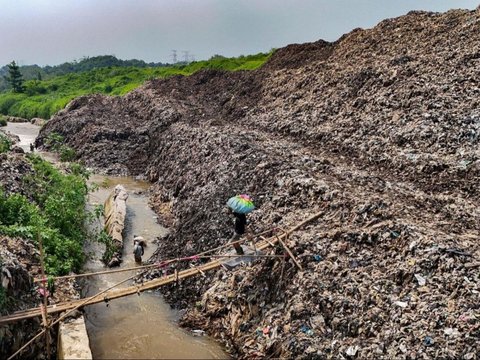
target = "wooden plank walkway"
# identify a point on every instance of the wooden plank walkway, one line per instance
(149, 285)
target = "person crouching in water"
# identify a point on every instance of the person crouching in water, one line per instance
(138, 245)
(240, 222)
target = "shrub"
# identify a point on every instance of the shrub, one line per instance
(57, 214)
(110, 248)
(54, 141)
(17, 210)
(35, 87)
(5, 143)
(66, 153)
(7, 100)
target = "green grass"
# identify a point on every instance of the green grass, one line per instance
(43, 98)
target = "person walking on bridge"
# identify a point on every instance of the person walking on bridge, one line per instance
(240, 206)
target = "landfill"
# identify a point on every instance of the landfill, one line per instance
(378, 130)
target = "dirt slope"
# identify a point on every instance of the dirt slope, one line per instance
(380, 130)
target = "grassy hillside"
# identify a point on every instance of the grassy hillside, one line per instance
(35, 72)
(43, 98)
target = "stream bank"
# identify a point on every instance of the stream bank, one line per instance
(137, 326)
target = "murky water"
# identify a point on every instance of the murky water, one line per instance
(137, 326)
(134, 327)
(26, 131)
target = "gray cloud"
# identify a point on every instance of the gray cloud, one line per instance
(52, 32)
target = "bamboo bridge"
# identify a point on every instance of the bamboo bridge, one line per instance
(111, 293)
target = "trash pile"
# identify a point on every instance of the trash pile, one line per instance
(379, 130)
(374, 288)
(19, 265)
(13, 168)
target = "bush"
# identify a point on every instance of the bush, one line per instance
(3, 121)
(67, 153)
(57, 214)
(7, 100)
(54, 141)
(110, 248)
(5, 143)
(35, 87)
(17, 210)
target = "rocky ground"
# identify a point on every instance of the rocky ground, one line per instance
(379, 130)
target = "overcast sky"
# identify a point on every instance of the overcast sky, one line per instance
(55, 31)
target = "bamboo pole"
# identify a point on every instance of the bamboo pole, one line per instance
(290, 254)
(156, 265)
(45, 300)
(68, 313)
(97, 273)
(148, 266)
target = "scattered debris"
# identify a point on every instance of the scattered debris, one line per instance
(428, 341)
(421, 280)
(198, 332)
(352, 350)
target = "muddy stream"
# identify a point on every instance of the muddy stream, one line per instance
(133, 327)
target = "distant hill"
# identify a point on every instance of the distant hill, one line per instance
(49, 89)
(35, 72)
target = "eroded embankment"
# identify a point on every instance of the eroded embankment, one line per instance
(380, 130)
(25, 214)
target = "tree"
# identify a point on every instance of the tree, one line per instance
(15, 77)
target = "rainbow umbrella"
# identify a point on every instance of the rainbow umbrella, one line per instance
(241, 204)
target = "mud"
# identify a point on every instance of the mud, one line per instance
(379, 130)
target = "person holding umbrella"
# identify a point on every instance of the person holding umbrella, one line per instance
(240, 206)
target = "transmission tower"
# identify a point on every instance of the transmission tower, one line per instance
(186, 56)
(174, 56)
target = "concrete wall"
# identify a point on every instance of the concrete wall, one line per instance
(73, 340)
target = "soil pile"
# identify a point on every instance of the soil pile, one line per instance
(380, 130)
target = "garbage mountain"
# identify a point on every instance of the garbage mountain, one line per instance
(380, 130)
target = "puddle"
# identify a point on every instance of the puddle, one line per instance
(26, 131)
